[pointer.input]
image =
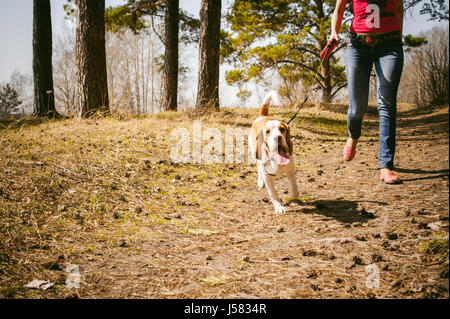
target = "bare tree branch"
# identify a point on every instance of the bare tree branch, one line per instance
(156, 32)
(338, 89)
(412, 4)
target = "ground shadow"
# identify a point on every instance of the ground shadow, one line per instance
(420, 171)
(424, 178)
(431, 126)
(421, 110)
(441, 174)
(372, 110)
(233, 123)
(26, 122)
(343, 211)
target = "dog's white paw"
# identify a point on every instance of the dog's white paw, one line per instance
(280, 209)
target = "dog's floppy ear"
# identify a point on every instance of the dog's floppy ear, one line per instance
(288, 140)
(259, 142)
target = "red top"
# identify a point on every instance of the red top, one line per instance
(375, 16)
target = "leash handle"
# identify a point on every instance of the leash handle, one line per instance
(326, 52)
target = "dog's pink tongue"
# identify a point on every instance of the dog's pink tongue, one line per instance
(281, 158)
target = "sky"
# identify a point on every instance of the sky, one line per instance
(16, 27)
(16, 31)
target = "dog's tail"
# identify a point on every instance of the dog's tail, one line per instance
(271, 96)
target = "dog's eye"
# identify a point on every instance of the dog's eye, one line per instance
(282, 129)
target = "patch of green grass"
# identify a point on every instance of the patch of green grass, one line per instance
(437, 245)
(169, 116)
(198, 231)
(306, 199)
(213, 281)
(323, 124)
(157, 220)
(301, 200)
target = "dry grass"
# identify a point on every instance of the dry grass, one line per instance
(104, 195)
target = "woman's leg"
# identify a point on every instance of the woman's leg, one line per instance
(388, 66)
(358, 68)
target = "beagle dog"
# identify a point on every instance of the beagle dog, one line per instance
(270, 144)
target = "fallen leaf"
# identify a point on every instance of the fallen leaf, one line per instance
(39, 284)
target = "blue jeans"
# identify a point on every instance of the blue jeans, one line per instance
(388, 60)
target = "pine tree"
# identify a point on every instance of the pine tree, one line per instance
(435, 9)
(9, 100)
(286, 36)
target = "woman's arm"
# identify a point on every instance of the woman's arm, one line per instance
(400, 12)
(336, 20)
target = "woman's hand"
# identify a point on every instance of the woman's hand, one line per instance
(333, 36)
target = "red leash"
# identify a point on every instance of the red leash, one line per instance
(326, 52)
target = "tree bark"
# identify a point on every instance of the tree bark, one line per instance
(209, 55)
(326, 89)
(44, 100)
(92, 84)
(170, 81)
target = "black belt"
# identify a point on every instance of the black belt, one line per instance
(376, 39)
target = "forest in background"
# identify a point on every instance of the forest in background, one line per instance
(136, 56)
(97, 207)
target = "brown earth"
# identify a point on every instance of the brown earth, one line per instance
(102, 194)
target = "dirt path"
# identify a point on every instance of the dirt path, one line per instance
(319, 249)
(219, 237)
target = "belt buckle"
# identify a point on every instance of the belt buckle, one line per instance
(369, 41)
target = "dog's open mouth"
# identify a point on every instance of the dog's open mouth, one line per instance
(281, 157)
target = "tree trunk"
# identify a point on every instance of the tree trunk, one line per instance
(326, 89)
(44, 100)
(209, 55)
(152, 71)
(170, 85)
(92, 84)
